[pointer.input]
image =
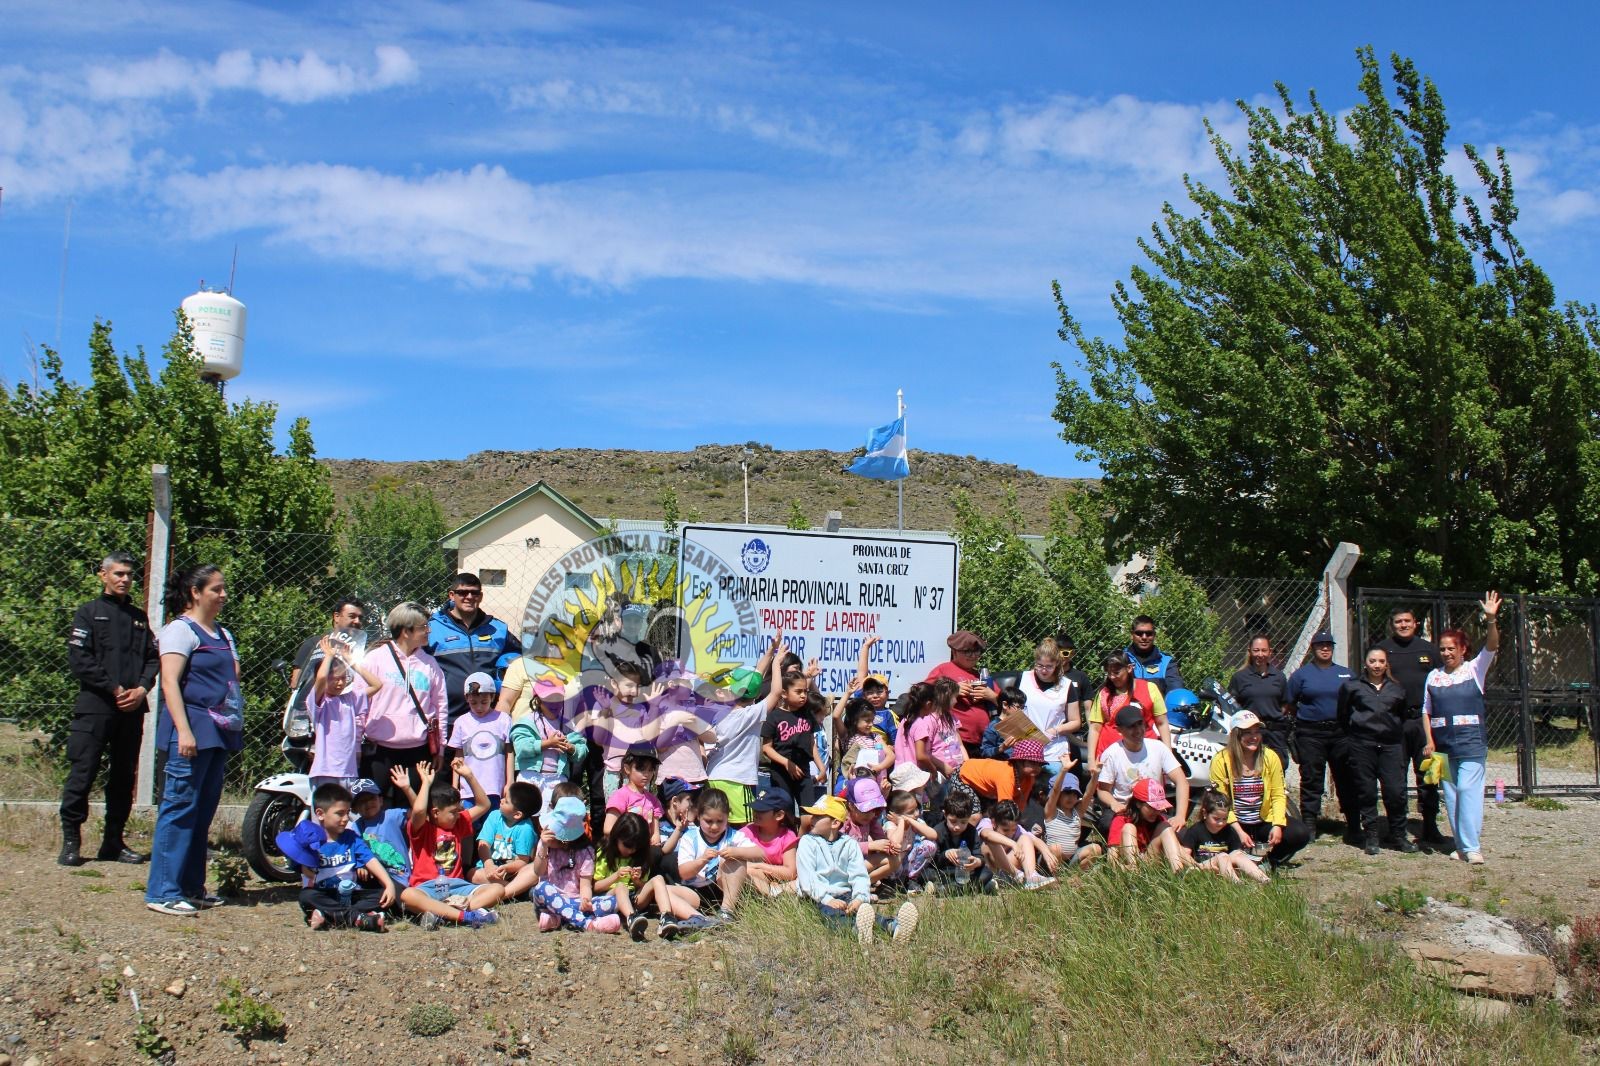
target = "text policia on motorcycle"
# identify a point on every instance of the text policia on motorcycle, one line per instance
(618, 789)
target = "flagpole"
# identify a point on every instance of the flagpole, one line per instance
(900, 485)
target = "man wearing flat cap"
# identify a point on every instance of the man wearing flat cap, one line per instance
(974, 701)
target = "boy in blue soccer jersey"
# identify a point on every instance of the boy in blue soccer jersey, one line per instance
(346, 885)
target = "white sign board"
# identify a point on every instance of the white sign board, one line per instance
(829, 592)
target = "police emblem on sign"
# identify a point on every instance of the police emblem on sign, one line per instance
(755, 555)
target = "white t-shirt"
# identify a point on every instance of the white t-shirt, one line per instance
(736, 756)
(690, 846)
(1122, 769)
(1047, 709)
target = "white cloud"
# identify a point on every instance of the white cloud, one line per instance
(289, 81)
(60, 149)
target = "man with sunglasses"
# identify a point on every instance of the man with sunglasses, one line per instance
(463, 639)
(1150, 663)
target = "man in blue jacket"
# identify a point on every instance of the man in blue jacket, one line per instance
(464, 639)
(1150, 663)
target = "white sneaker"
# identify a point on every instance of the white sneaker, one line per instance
(905, 922)
(866, 924)
(1036, 882)
(180, 907)
(1475, 858)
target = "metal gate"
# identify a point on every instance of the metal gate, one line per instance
(1542, 702)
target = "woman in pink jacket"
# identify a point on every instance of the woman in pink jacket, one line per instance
(409, 706)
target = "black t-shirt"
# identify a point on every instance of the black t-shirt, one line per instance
(1032, 818)
(308, 648)
(1411, 663)
(1262, 693)
(1081, 680)
(1205, 844)
(790, 732)
(949, 841)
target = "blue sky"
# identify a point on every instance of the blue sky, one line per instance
(522, 225)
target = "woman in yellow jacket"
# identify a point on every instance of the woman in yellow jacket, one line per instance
(1249, 774)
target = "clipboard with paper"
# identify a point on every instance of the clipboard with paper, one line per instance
(1014, 725)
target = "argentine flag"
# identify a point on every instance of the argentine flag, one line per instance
(886, 454)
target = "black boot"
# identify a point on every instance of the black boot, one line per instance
(1373, 847)
(71, 845)
(1432, 840)
(112, 849)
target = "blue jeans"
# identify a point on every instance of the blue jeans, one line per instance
(190, 791)
(1463, 802)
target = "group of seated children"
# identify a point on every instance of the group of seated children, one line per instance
(901, 811)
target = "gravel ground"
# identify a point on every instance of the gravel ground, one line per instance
(76, 945)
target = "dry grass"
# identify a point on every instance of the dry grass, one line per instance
(1119, 968)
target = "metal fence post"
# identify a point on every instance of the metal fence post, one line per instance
(155, 590)
(1527, 752)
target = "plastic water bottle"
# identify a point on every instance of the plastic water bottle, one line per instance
(347, 890)
(963, 856)
(1499, 790)
(983, 675)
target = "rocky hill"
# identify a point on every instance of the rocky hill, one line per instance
(706, 481)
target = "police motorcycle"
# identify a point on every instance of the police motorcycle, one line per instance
(282, 800)
(1200, 722)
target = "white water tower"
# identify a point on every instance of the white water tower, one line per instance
(217, 321)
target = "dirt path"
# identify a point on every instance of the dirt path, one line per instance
(74, 942)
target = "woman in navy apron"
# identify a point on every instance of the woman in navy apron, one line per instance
(201, 720)
(1453, 716)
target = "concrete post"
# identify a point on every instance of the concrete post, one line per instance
(155, 590)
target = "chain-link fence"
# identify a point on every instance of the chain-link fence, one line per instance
(47, 568)
(1541, 700)
(282, 587)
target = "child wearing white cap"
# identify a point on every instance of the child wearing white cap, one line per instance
(483, 737)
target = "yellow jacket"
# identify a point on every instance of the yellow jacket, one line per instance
(1274, 798)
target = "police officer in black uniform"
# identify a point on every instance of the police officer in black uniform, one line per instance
(112, 653)
(1411, 659)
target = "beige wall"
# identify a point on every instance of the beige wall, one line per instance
(502, 544)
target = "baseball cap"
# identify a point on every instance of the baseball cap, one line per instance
(366, 786)
(1130, 715)
(866, 795)
(1322, 637)
(1151, 791)
(483, 681)
(866, 759)
(673, 787)
(829, 807)
(1032, 750)
(1069, 782)
(744, 683)
(772, 799)
(879, 678)
(1245, 720)
(566, 818)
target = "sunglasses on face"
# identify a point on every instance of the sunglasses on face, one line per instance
(458, 593)
(1144, 632)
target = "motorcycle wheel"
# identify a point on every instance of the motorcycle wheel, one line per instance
(269, 814)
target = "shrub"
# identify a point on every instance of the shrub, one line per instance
(430, 1019)
(247, 1017)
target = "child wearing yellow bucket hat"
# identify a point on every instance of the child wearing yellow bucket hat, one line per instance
(833, 876)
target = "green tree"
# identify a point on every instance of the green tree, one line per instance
(1340, 345)
(75, 482)
(670, 515)
(797, 516)
(389, 551)
(1006, 594)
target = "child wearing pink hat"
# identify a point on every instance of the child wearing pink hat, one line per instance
(865, 803)
(1142, 830)
(543, 752)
